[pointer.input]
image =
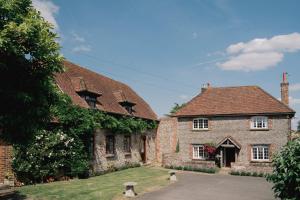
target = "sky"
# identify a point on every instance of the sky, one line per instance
(167, 49)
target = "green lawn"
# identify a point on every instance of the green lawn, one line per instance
(108, 186)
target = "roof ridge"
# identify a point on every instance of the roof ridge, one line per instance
(226, 87)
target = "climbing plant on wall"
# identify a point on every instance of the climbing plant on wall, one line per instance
(63, 149)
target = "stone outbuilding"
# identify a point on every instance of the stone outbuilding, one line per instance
(94, 91)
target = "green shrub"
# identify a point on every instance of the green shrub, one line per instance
(247, 173)
(235, 173)
(254, 174)
(243, 173)
(185, 168)
(50, 154)
(286, 171)
(261, 174)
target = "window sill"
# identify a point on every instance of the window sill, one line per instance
(260, 161)
(110, 155)
(198, 159)
(259, 129)
(200, 130)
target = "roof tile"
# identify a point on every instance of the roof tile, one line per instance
(76, 77)
(242, 100)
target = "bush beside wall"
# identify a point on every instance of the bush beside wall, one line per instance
(195, 169)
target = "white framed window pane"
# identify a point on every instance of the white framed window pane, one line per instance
(254, 151)
(205, 123)
(196, 153)
(266, 153)
(201, 123)
(195, 124)
(201, 152)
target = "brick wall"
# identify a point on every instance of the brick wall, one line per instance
(175, 159)
(5, 160)
(166, 139)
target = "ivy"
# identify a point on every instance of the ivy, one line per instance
(64, 148)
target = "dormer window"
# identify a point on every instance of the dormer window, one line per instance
(128, 106)
(90, 98)
(91, 101)
(259, 122)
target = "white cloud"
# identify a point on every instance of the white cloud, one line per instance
(77, 37)
(48, 10)
(252, 61)
(260, 53)
(295, 87)
(82, 48)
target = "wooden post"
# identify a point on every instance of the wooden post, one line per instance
(221, 158)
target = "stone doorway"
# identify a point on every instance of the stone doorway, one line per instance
(229, 156)
(228, 150)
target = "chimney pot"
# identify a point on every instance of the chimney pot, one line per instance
(205, 87)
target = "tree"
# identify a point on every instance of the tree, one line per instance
(29, 59)
(176, 107)
(286, 171)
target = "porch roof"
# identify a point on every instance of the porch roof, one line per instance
(226, 140)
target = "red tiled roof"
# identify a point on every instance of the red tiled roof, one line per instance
(243, 100)
(77, 78)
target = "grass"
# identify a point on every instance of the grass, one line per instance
(105, 187)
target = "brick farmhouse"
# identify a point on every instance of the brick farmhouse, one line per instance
(245, 124)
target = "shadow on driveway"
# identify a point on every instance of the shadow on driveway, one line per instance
(192, 186)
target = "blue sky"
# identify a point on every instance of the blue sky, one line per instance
(166, 49)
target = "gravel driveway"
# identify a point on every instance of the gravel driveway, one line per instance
(192, 186)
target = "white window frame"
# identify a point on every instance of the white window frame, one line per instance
(259, 121)
(196, 151)
(255, 152)
(199, 124)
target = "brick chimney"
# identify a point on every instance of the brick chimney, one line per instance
(205, 87)
(284, 89)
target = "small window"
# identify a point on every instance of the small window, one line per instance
(91, 101)
(259, 123)
(260, 152)
(200, 124)
(129, 109)
(198, 152)
(127, 144)
(110, 144)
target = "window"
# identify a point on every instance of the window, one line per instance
(200, 124)
(127, 144)
(110, 144)
(198, 152)
(260, 152)
(259, 123)
(129, 109)
(91, 101)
